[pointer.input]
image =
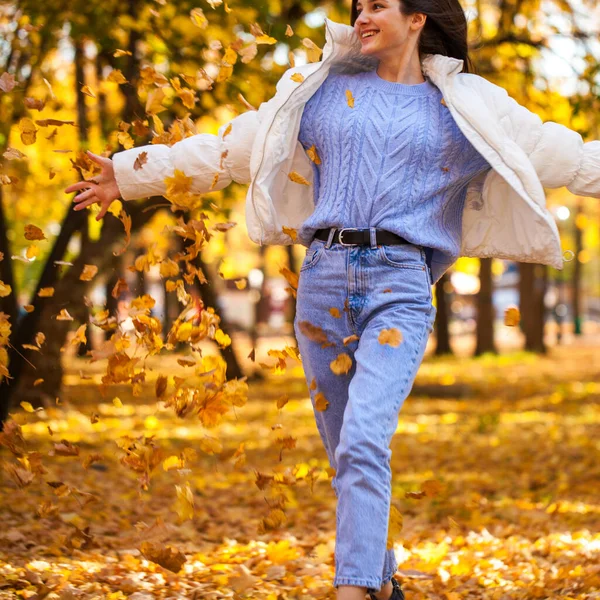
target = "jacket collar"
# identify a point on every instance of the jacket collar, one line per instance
(343, 45)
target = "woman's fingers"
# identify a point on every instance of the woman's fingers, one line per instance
(79, 186)
(104, 210)
(84, 196)
(86, 203)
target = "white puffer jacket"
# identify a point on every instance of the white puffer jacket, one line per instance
(505, 213)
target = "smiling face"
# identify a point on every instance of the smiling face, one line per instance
(393, 32)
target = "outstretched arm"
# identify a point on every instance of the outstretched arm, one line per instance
(200, 157)
(559, 154)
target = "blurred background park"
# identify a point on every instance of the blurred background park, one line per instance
(108, 76)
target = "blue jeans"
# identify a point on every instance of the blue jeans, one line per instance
(373, 288)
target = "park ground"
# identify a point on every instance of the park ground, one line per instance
(496, 475)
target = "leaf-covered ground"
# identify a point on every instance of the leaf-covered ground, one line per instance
(516, 455)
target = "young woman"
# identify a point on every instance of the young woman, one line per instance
(390, 160)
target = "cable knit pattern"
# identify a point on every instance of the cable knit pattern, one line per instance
(396, 161)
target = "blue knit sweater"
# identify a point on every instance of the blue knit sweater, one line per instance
(396, 161)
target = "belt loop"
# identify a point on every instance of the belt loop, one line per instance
(330, 237)
(373, 232)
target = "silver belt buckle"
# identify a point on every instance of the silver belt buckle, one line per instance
(341, 233)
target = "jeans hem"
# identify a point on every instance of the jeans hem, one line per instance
(370, 584)
(389, 576)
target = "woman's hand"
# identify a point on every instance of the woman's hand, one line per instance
(101, 188)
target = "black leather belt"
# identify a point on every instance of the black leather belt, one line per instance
(351, 236)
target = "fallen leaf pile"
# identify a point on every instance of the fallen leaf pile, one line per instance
(495, 494)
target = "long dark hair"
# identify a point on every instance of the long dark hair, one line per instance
(445, 30)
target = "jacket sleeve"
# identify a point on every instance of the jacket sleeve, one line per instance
(200, 157)
(559, 154)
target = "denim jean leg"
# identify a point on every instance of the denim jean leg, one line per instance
(396, 299)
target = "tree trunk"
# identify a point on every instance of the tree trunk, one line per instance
(65, 295)
(8, 304)
(209, 298)
(485, 310)
(532, 289)
(442, 321)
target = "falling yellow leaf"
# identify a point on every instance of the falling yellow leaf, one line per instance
(173, 462)
(341, 364)
(166, 556)
(154, 101)
(46, 292)
(28, 131)
(241, 284)
(28, 407)
(313, 52)
(297, 77)
(394, 526)
(32, 251)
(350, 98)
(265, 39)
(222, 339)
(321, 403)
(184, 506)
(33, 233)
(293, 233)
(5, 290)
(512, 316)
(88, 273)
(116, 76)
(289, 31)
(335, 312)
(297, 178)
(198, 18)
(313, 155)
(392, 337)
(86, 90)
(117, 402)
(210, 445)
(140, 161)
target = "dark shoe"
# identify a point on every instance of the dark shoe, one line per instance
(397, 593)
